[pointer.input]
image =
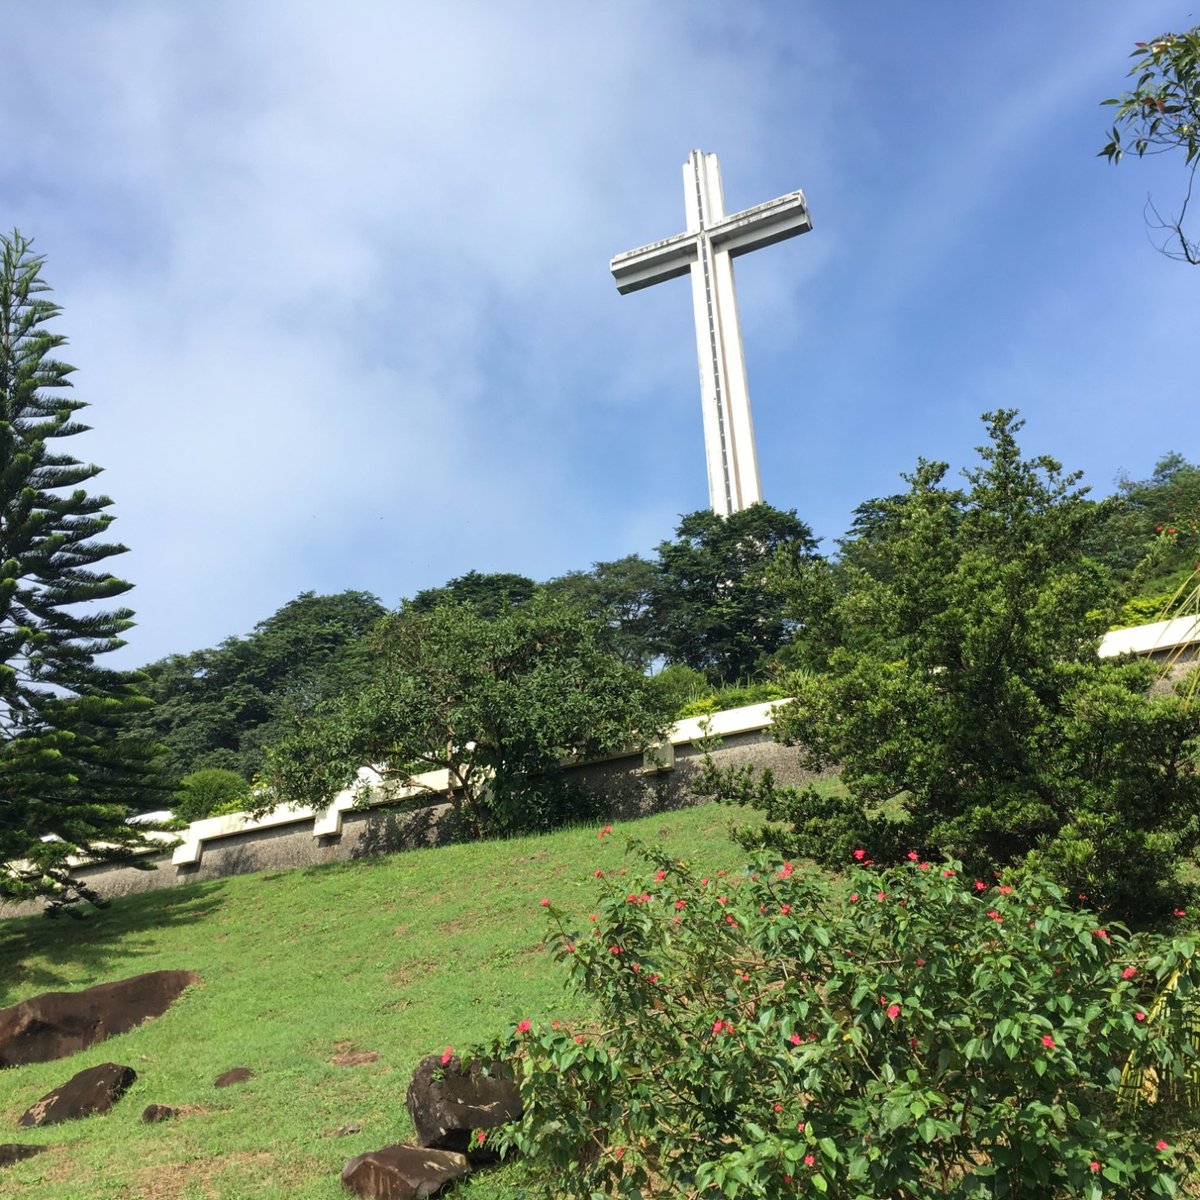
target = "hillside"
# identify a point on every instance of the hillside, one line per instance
(400, 955)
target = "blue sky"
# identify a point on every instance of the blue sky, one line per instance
(335, 277)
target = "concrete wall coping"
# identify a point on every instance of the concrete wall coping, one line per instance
(1152, 638)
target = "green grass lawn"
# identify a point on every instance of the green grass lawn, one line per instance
(401, 955)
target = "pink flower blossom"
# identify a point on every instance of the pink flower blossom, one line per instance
(599, 874)
(1140, 1016)
(947, 873)
(447, 1054)
(913, 856)
(893, 1011)
(923, 866)
(1047, 1041)
(680, 904)
(1161, 1145)
(785, 909)
(652, 978)
(1093, 1166)
(860, 854)
(480, 1138)
(786, 870)
(660, 875)
(1100, 933)
(523, 1026)
(778, 1107)
(1179, 912)
(1129, 972)
(606, 830)
(809, 1160)
(994, 915)
(980, 886)
(881, 895)
(544, 903)
(795, 1039)
(853, 897)
(1004, 889)
(718, 1026)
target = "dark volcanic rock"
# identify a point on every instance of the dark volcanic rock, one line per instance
(159, 1112)
(447, 1101)
(235, 1075)
(403, 1172)
(56, 1024)
(12, 1152)
(92, 1091)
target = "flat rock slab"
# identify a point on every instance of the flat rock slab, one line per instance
(13, 1152)
(403, 1172)
(57, 1024)
(232, 1076)
(446, 1101)
(92, 1091)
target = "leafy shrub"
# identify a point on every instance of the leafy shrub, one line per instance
(906, 1032)
(208, 792)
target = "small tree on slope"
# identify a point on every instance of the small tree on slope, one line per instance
(67, 777)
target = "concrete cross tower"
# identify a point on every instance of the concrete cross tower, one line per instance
(712, 240)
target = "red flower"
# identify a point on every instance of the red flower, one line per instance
(1004, 890)
(1129, 972)
(881, 895)
(1179, 912)
(447, 1054)
(860, 854)
(1047, 1041)
(718, 1026)
(680, 904)
(893, 1011)
(779, 1108)
(1140, 1016)
(480, 1137)
(980, 886)
(606, 829)
(947, 873)
(809, 1160)
(614, 950)
(593, 918)
(544, 903)
(913, 856)
(994, 915)
(1093, 1165)
(599, 873)
(660, 875)
(853, 897)
(785, 909)
(923, 866)
(652, 978)
(1100, 933)
(786, 870)
(722, 899)
(579, 1039)
(635, 966)
(523, 1026)
(570, 947)
(795, 1039)
(1161, 1145)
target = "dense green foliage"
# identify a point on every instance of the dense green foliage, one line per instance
(712, 610)
(621, 594)
(899, 1033)
(221, 708)
(967, 707)
(65, 773)
(1160, 114)
(489, 594)
(498, 703)
(208, 792)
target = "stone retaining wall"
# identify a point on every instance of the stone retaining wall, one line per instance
(630, 785)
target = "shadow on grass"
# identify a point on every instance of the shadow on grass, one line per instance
(43, 954)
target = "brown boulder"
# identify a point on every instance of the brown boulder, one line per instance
(95, 1090)
(12, 1152)
(57, 1024)
(232, 1076)
(446, 1101)
(403, 1173)
(159, 1112)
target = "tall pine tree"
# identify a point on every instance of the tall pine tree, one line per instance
(68, 776)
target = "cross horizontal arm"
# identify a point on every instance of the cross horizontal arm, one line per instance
(762, 225)
(668, 259)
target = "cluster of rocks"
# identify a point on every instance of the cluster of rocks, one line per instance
(449, 1101)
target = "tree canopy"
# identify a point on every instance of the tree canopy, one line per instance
(497, 702)
(967, 706)
(68, 779)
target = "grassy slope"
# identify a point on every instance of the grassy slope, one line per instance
(400, 955)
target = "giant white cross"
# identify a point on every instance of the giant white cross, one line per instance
(711, 241)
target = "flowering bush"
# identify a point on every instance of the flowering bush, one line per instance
(898, 1033)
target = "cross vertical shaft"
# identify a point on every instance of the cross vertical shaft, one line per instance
(705, 252)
